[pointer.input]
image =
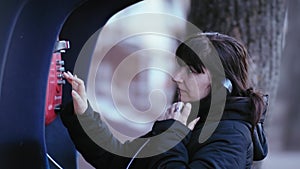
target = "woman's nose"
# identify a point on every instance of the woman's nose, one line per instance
(177, 77)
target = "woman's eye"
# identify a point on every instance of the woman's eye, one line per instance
(180, 62)
(191, 70)
(188, 70)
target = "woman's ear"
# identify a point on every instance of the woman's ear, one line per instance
(207, 73)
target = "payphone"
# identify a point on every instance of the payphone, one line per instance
(55, 82)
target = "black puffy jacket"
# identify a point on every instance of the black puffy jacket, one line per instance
(230, 146)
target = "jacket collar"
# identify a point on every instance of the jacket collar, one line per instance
(236, 108)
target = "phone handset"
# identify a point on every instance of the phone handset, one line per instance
(55, 82)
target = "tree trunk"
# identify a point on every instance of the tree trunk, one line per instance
(290, 81)
(259, 24)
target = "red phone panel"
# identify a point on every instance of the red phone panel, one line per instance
(55, 82)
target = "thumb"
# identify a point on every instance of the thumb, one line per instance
(79, 105)
(192, 124)
(76, 97)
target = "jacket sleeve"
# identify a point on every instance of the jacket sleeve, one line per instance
(169, 139)
(92, 138)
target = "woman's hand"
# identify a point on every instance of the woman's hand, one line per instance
(78, 93)
(180, 112)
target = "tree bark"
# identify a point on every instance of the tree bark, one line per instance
(258, 24)
(290, 81)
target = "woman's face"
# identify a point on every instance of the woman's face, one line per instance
(193, 86)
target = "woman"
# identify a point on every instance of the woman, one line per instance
(172, 143)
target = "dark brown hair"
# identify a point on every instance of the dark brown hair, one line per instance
(234, 57)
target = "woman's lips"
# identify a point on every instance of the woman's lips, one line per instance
(181, 90)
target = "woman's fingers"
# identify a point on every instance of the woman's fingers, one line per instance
(192, 124)
(79, 86)
(178, 106)
(76, 97)
(186, 111)
(77, 83)
(179, 111)
(80, 105)
(68, 77)
(78, 92)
